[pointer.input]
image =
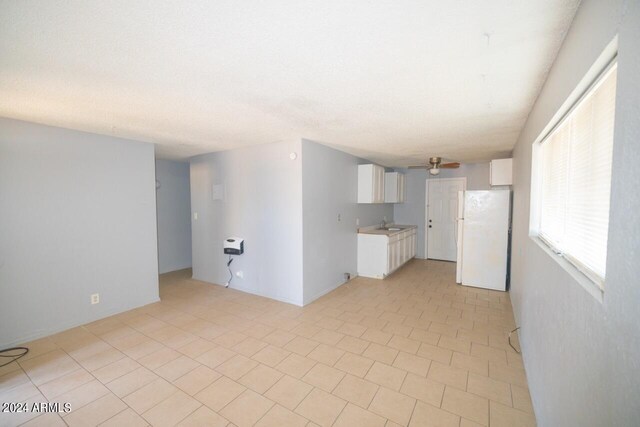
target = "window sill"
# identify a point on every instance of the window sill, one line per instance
(589, 285)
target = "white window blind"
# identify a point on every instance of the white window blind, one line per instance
(576, 179)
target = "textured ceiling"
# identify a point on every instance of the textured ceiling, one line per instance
(393, 81)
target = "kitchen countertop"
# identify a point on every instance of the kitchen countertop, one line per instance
(375, 229)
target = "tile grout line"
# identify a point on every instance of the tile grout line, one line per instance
(393, 306)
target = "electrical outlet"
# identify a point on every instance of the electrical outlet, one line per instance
(95, 299)
(339, 218)
(357, 221)
(240, 274)
(195, 216)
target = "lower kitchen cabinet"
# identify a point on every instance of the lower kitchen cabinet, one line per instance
(381, 254)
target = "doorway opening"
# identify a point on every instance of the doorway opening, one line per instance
(173, 216)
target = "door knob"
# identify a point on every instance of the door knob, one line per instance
(429, 226)
(429, 220)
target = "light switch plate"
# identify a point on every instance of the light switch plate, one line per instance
(217, 192)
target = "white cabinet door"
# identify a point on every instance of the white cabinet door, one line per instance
(501, 172)
(407, 245)
(370, 184)
(394, 187)
(390, 256)
(379, 184)
(373, 255)
(380, 255)
(395, 255)
(390, 187)
(414, 242)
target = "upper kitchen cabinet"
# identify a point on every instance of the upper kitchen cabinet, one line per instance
(393, 187)
(501, 172)
(370, 184)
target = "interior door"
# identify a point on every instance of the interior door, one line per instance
(442, 212)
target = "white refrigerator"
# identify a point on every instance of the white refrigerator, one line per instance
(484, 228)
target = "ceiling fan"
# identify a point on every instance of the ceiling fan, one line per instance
(435, 164)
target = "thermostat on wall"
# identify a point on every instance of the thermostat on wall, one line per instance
(234, 246)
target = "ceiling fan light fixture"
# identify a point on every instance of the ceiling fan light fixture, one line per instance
(434, 171)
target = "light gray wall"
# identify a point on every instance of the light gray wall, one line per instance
(413, 210)
(477, 175)
(582, 356)
(262, 204)
(77, 217)
(329, 189)
(174, 215)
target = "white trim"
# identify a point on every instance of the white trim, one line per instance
(589, 280)
(323, 292)
(426, 207)
(597, 70)
(65, 326)
(586, 282)
(251, 291)
(247, 290)
(535, 170)
(583, 94)
(590, 274)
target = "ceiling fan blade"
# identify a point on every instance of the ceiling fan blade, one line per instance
(449, 165)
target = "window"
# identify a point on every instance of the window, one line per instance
(574, 173)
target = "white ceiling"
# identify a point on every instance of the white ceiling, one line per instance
(393, 81)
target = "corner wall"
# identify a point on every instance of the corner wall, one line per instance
(329, 189)
(581, 355)
(77, 217)
(174, 215)
(262, 203)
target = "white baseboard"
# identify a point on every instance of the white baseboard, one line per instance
(42, 333)
(323, 293)
(253, 292)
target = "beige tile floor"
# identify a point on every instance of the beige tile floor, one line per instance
(414, 349)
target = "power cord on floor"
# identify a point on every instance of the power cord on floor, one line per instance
(14, 357)
(230, 273)
(514, 349)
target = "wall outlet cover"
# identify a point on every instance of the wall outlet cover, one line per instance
(95, 299)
